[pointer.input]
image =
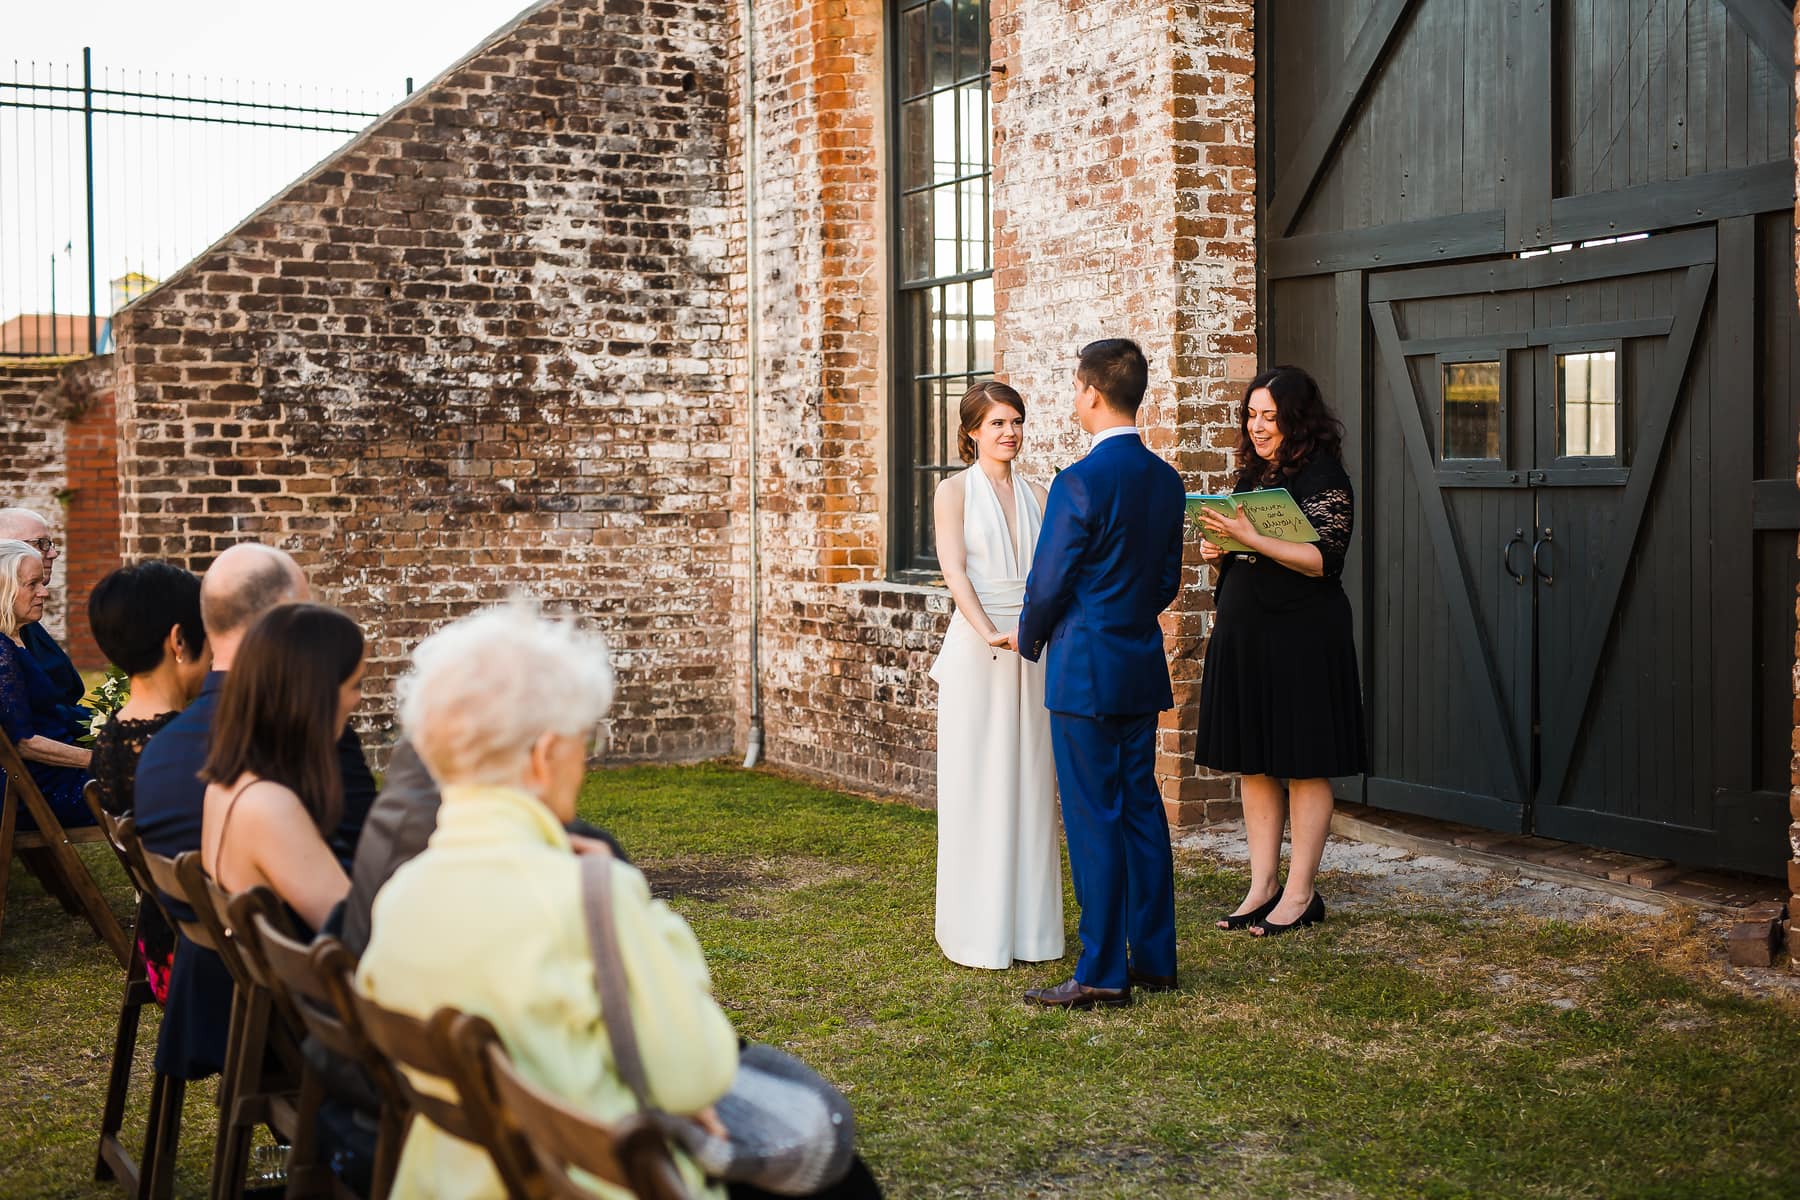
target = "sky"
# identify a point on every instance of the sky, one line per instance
(167, 189)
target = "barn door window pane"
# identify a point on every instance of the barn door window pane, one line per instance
(1587, 404)
(1471, 392)
(943, 268)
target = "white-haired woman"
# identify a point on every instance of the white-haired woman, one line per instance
(33, 711)
(500, 706)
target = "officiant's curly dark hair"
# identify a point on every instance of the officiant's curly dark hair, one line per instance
(1308, 427)
(975, 404)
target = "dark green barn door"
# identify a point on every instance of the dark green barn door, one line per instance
(1574, 569)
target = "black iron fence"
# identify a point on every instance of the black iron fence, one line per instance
(108, 183)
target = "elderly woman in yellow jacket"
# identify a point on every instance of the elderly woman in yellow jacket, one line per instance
(489, 918)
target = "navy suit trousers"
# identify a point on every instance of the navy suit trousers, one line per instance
(1119, 853)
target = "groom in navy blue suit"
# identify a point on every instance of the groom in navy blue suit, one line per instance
(1107, 563)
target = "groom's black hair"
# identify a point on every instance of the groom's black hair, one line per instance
(1115, 368)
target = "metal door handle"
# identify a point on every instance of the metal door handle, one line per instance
(1518, 539)
(1537, 565)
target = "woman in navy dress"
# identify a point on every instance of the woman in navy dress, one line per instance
(35, 713)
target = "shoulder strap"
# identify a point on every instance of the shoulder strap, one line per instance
(609, 972)
(225, 823)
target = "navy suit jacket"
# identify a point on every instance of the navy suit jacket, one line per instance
(1108, 561)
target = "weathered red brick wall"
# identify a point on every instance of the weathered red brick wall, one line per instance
(91, 447)
(32, 461)
(845, 654)
(1124, 200)
(1124, 196)
(484, 348)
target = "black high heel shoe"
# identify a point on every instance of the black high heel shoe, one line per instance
(1240, 920)
(1314, 915)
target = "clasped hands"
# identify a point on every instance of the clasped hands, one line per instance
(1004, 641)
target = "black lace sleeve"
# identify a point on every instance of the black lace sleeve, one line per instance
(117, 748)
(1324, 494)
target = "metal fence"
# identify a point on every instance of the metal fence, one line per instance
(108, 183)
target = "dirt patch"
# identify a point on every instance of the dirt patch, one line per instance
(702, 879)
(713, 880)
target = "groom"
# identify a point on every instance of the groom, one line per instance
(1107, 563)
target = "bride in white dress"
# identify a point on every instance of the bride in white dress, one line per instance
(999, 866)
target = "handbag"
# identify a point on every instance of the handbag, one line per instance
(789, 1131)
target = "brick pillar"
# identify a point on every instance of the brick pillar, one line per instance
(1125, 205)
(91, 521)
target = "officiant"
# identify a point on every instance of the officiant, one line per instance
(1280, 697)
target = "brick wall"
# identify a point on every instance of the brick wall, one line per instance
(844, 655)
(1124, 203)
(1124, 196)
(91, 450)
(483, 348)
(32, 471)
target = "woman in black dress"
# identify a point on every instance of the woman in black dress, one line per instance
(1280, 698)
(146, 620)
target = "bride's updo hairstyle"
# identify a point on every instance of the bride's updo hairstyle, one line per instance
(975, 404)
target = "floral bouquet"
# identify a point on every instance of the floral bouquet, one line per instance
(106, 698)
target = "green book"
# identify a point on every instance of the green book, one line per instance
(1272, 512)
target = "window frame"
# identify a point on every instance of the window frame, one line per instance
(911, 481)
(1595, 470)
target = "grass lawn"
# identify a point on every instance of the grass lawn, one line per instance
(1405, 1048)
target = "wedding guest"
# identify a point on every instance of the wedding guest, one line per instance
(273, 784)
(146, 620)
(245, 581)
(33, 710)
(29, 527)
(999, 868)
(1280, 698)
(489, 919)
(400, 824)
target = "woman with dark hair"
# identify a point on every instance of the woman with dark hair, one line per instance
(1280, 697)
(273, 784)
(146, 620)
(999, 868)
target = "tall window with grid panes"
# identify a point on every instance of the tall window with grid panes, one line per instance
(943, 264)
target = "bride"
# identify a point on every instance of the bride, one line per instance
(999, 867)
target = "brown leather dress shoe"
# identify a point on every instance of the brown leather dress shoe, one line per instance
(1070, 994)
(1144, 981)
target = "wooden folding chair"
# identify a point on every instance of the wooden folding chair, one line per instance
(112, 1160)
(424, 1049)
(49, 853)
(165, 1131)
(264, 1069)
(316, 981)
(562, 1141)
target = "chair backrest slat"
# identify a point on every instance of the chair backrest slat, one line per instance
(558, 1138)
(245, 910)
(418, 1048)
(211, 905)
(121, 835)
(165, 876)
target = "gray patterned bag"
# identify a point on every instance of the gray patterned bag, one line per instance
(790, 1131)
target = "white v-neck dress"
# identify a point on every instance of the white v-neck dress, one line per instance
(999, 865)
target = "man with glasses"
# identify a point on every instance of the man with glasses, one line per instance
(26, 526)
